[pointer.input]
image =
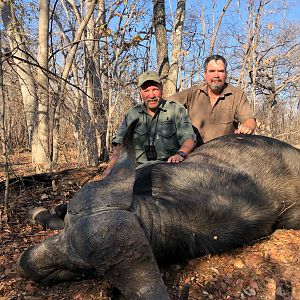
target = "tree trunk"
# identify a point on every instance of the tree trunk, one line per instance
(90, 101)
(41, 155)
(21, 59)
(66, 70)
(171, 83)
(104, 132)
(250, 58)
(159, 20)
(2, 106)
(2, 103)
(213, 38)
(3, 139)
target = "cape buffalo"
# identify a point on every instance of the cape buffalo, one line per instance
(231, 191)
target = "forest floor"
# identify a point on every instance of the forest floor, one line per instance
(269, 269)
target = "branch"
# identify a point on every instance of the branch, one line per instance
(281, 87)
(47, 71)
(213, 39)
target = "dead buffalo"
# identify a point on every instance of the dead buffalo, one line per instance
(231, 191)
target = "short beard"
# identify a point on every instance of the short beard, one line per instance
(216, 88)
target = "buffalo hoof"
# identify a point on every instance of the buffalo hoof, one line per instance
(41, 215)
(32, 214)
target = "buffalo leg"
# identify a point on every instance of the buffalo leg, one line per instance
(60, 210)
(46, 262)
(48, 220)
(116, 246)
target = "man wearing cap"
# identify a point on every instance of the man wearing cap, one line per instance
(163, 132)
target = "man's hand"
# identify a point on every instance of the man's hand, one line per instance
(186, 148)
(247, 127)
(106, 172)
(175, 159)
(243, 129)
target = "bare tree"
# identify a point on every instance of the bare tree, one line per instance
(64, 78)
(176, 42)
(250, 47)
(3, 138)
(91, 102)
(269, 68)
(215, 33)
(104, 120)
(159, 20)
(40, 153)
(2, 105)
(21, 60)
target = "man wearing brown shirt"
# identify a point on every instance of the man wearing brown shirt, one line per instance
(215, 106)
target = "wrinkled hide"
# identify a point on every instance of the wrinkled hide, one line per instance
(231, 191)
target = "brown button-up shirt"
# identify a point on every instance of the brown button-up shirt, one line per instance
(217, 120)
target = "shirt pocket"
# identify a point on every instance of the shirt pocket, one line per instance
(140, 137)
(166, 129)
(166, 139)
(224, 117)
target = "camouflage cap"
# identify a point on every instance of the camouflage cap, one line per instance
(148, 76)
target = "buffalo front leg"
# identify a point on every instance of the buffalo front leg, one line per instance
(48, 220)
(46, 262)
(116, 246)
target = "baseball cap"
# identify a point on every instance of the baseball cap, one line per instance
(148, 76)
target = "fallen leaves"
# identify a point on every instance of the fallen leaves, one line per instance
(267, 270)
(238, 264)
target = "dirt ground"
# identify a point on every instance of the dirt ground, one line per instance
(269, 269)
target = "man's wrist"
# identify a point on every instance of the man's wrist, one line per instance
(182, 154)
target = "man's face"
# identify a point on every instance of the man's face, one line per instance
(151, 93)
(215, 75)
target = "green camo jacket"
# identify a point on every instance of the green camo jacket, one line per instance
(167, 130)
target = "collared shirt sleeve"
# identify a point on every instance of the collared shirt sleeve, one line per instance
(118, 138)
(180, 97)
(243, 111)
(184, 125)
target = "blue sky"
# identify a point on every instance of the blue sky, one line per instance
(292, 11)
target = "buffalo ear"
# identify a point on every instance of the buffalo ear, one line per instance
(125, 167)
(128, 139)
